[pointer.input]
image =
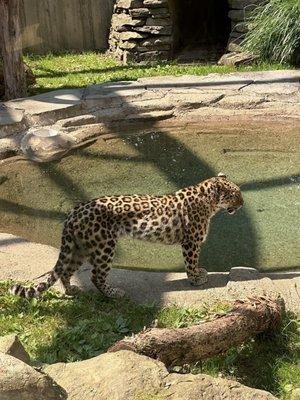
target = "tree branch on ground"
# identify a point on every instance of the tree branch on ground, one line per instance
(188, 345)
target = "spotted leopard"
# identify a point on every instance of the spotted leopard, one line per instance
(92, 229)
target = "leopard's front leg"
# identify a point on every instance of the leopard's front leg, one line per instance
(197, 276)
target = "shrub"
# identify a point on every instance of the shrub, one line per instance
(274, 31)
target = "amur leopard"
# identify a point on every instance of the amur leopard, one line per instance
(92, 229)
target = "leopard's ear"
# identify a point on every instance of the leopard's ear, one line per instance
(222, 175)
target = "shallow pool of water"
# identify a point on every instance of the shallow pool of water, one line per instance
(34, 198)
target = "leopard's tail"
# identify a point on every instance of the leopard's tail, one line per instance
(37, 290)
(64, 258)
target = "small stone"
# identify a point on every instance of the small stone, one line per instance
(120, 21)
(241, 27)
(160, 12)
(155, 3)
(131, 35)
(158, 21)
(234, 47)
(11, 345)
(139, 12)
(129, 4)
(45, 144)
(156, 41)
(236, 59)
(243, 274)
(155, 30)
(127, 45)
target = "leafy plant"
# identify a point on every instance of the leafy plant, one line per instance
(274, 31)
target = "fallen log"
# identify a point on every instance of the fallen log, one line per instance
(180, 346)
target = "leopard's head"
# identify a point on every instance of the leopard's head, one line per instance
(228, 194)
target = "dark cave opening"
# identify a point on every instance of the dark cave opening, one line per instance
(201, 29)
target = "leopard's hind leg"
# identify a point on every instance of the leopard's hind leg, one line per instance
(69, 269)
(101, 259)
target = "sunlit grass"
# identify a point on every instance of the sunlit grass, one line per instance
(55, 328)
(80, 70)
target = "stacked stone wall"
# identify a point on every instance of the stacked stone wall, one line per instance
(143, 30)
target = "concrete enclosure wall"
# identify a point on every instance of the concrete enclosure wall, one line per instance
(51, 25)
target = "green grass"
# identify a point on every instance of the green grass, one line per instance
(79, 70)
(56, 328)
(274, 31)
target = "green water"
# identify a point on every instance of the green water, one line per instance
(34, 198)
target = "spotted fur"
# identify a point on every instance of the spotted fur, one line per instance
(92, 229)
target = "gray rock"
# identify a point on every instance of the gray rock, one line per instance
(129, 4)
(243, 274)
(241, 27)
(158, 21)
(155, 30)
(128, 45)
(9, 147)
(111, 376)
(236, 59)
(204, 387)
(125, 375)
(19, 381)
(295, 395)
(45, 144)
(155, 3)
(160, 12)
(121, 21)
(11, 345)
(131, 35)
(139, 12)
(156, 41)
(234, 47)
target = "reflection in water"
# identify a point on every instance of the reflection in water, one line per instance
(36, 197)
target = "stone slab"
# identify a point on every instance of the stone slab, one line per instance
(46, 102)
(47, 108)
(8, 116)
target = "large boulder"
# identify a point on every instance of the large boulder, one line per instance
(111, 376)
(10, 344)
(46, 144)
(125, 375)
(205, 387)
(19, 381)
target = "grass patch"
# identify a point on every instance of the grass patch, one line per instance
(274, 31)
(79, 70)
(55, 328)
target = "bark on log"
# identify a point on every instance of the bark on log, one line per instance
(188, 345)
(11, 48)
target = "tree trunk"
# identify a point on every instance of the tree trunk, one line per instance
(187, 345)
(11, 47)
